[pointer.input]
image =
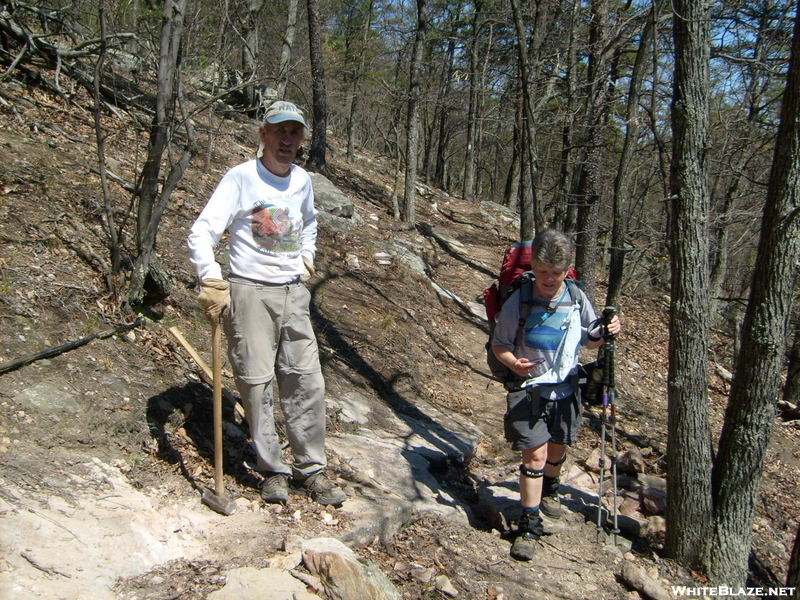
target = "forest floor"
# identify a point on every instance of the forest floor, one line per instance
(140, 407)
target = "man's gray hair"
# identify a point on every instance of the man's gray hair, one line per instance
(553, 249)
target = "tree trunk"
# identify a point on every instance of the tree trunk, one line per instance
(529, 211)
(589, 190)
(112, 279)
(622, 181)
(436, 171)
(477, 152)
(565, 215)
(215, 85)
(689, 458)
(316, 152)
(793, 572)
(511, 190)
(354, 97)
(412, 139)
(286, 49)
(527, 227)
(470, 165)
(250, 46)
(148, 282)
(751, 406)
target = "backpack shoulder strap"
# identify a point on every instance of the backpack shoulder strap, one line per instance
(525, 298)
(574, 293)
(525, 306)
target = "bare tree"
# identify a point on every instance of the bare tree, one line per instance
(286, 49)
(751, 405)
(565, 213)
(624, 177)
(511, 189)
(530, 213)
(148, 281)
(470, 164)
(110, 223)
(316, 153)
(412, 117)
(356, 84)
(588, 191)
(435, 164)
(689, 510)
(250, 48)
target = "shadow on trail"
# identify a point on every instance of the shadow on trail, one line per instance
(441, 444)
(181, 420)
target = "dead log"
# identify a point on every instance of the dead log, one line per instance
(50, 352)
(636, 578)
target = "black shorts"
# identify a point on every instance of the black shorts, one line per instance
(530, 422)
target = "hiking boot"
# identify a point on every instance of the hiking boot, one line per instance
(551, 506)
(530, 530)
(275, 488)
(551, 501)
(524, 546)
(322, 490)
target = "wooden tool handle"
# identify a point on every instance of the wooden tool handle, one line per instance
(216, 365)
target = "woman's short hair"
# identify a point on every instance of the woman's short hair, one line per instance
(553, 249)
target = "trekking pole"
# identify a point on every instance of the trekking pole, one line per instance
(602, 462)
(610, 385)
(608, 417)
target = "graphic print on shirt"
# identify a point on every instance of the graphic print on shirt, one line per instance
(276, 230)
(544, 336)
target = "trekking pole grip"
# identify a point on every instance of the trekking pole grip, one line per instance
(608, 315)
(608, 347)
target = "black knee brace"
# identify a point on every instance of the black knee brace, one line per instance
(559, 463)
(532, 473)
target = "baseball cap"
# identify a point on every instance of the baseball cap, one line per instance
(281, 111)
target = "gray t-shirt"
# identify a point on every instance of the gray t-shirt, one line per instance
(543, 332)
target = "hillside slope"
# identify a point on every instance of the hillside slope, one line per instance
(119, 429)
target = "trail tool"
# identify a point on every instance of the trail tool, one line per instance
(608, 418)
(217, 500)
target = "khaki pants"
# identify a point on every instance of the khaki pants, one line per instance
(269, 334)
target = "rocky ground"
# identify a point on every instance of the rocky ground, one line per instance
(104, 449)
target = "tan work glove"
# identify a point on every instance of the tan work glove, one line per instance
(308, 270)
(214, 298)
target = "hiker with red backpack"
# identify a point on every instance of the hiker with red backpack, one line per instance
(537, 335)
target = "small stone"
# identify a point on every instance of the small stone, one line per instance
(423, 575)
(444, 585)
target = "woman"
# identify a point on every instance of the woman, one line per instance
(544, 410)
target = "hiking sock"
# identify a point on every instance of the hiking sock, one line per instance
(530, 512)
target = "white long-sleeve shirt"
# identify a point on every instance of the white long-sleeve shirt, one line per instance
(271, 221)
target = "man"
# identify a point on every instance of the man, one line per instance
(544, 410)
(267, 207)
